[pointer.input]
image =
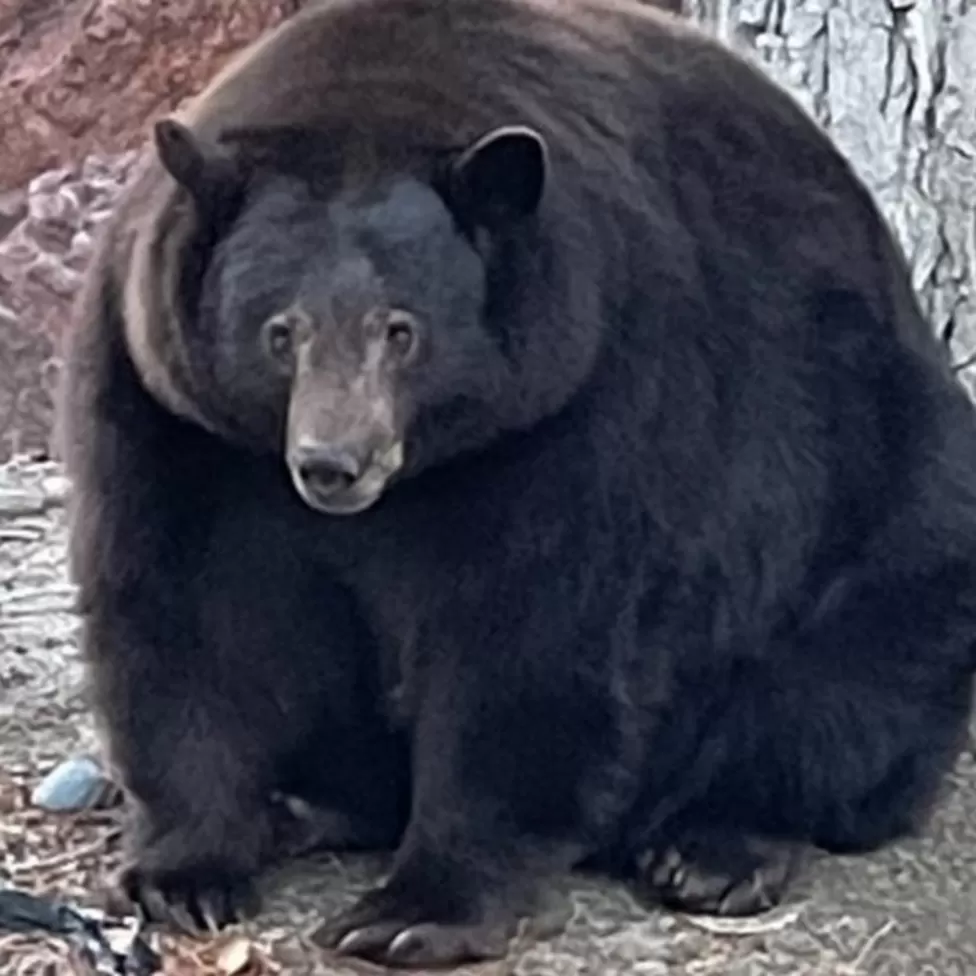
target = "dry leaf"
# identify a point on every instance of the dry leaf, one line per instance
(235, 957)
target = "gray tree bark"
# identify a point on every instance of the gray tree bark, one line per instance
(894, 83)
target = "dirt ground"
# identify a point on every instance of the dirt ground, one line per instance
(908, 911)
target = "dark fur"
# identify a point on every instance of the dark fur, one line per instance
(688, 579)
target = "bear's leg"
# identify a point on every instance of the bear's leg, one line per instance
(523, 755)
(196, 776)
(222, 694)
(839, 738)
(193, 764)
(260, 660)
(209, 635)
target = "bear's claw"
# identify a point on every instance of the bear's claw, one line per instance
(718, 872)
(192, 901)
(382, 929)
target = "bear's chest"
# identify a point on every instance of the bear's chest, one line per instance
(413, 564)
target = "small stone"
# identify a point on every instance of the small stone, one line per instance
(13, 209)
(80, 249)
(76, 784)
(50, 273)
(60, 206)
(47, 182)
(16, 501)
(56, 488)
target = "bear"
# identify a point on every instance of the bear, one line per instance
(509, 428)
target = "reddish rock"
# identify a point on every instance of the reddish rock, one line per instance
(84, 76)
(42, 260)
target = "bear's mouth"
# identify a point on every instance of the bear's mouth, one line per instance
(350, 495)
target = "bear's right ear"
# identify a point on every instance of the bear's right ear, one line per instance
(206, 172)
(500, 177)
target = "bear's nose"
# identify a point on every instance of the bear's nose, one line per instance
(326, 469)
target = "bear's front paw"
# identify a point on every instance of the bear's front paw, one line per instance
(718, 872)
(179, 880)
(398, 926)
(192, 897)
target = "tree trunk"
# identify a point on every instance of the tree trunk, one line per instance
(894, 83)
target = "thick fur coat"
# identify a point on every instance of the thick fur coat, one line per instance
(509, 427)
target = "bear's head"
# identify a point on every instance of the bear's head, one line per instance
(352, 331)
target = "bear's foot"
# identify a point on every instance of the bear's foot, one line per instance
(718, 871)
(197, 880)
(192, 898)
(404, 925)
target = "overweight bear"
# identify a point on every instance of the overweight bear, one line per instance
(509, 428)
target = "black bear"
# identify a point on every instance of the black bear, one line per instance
(508, 426)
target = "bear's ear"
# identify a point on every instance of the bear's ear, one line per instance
(206, 172)
(500, 177)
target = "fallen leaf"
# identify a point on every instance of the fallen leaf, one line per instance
(235, 957)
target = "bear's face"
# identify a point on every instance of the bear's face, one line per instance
(342, 326)
(359, 313)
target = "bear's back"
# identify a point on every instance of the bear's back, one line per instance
(386, 83)
(645, 117)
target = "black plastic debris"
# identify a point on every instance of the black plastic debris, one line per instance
(107, 946)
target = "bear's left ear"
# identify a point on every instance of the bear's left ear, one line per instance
(500, 177)
(208, 173)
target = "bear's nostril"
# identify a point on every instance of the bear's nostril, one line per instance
(327, 470)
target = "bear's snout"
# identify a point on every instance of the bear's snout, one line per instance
(338, 479)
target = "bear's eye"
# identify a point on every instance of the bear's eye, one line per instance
(279, 339)
(402, 333)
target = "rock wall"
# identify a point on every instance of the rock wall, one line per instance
(83, 76)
